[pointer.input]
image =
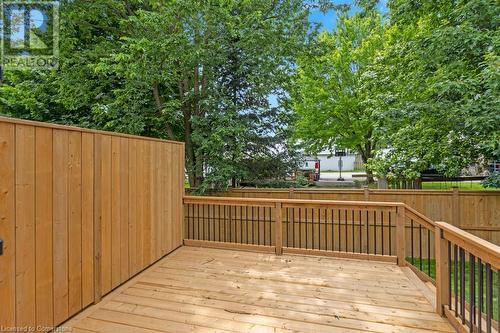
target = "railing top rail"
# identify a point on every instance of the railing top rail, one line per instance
(289, 202)
(420, 218)
(4, 119)
(479, 247)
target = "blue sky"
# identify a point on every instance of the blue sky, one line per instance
(328, 20)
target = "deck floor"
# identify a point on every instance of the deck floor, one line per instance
(208, 290)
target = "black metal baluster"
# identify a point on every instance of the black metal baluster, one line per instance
(360, 233)
(428, 252)
(353, 230)
(390, 234)
(293, 227)
(420, 245)
(480, 293)
(333, 231)
(345, 219)
(382, 225)
(472, 294)
(340, 232)
(375, 231)
(412, 244)
(300, 227)
(198, 220)
(489, 298)
(367, 232)
(326, 229)
(214, 222)
(462, 285)
(449, 273)
(307, 225)
(287, 226)
(312, 228)
(455, 267)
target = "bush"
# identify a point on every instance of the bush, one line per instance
(493, 180)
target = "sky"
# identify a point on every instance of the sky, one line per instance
(328, 20)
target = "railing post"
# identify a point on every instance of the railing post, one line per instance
(279, 228)
(442, 255)
(400, 235)
(366, 193)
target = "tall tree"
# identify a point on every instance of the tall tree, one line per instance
(443, 66)
(332, 95)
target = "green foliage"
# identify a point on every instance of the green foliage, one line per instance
(493, 180)
(442, 63)
(333, 88)
(191, 70)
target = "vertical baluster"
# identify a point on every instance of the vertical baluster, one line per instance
(333, 232)
(360, 233)
(340, 231)
(489, 298)
(412, 245)
(353, 231)
(462, 285)
(428, 252)
(367, 233)
(345, 219)
(449, 274)
(300, 227)
(293, 227)
(390, 234)
(307, 227)
(312, 228)
(472, 294)
(375, 232)
(326, 229)
(213, 222)
(420, 245)
(287, 225)
(382, 226)
(455, 268)
(480, 293)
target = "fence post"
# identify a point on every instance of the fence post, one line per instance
(279, 228)
(442, 255)
(400, 235)
(97, 218)
(366, 193)
(455, 211)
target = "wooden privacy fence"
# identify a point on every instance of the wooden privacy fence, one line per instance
(81, 212)
(383, 231)
(473, 211)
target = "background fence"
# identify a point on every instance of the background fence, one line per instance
(81, 212)
(473, 211)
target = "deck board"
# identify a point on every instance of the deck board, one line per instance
(209, 290)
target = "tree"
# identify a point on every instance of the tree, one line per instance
(197, 71)
(443, 63)
(333, 92)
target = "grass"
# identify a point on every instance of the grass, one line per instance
(467, 185)
(432, 263)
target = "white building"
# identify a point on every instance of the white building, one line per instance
(329, 162)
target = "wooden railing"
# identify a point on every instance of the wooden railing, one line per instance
(467, 281)
(365, 230)
(384, 231)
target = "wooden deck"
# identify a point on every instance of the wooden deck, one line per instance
(209, 290)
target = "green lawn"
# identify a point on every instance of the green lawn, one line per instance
(468, 185)
(432, 263)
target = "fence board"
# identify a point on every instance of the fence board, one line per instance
(7, 225)
(76, 215)
(43, 229)
(477, 210)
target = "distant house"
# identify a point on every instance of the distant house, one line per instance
(329, 162)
